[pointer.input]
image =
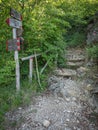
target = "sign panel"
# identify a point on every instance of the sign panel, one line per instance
(19, 32)
(14, 23)
(13, 45)
(15, 14)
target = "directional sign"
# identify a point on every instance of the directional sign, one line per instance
(15, 14)
(14, 23)
(19, 32)
(13, 44)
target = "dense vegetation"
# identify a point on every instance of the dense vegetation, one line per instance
(49, 26)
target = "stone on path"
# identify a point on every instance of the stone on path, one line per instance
(74, 64)
(65, 72)
(46, 123)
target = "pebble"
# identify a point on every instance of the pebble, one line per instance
(89, 87)
(57, 101)
(67, 120)
(67, 99)
(77, 121)
(74, 99)
(46, 123)
(19, 108)
(67, 128)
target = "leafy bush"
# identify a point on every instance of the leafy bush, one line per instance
(44, 23)
(93, 51)
(76, 39)
(7, 74)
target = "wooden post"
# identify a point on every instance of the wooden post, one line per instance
(17, 64)
(37, 71)
(30, 69)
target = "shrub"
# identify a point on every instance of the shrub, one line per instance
(93, 51)
(75, 39)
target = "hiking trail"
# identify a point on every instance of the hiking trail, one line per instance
(66, 105)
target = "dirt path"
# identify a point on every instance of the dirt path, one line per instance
(67, 104)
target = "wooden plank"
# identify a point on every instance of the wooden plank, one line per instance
(15, 14)
(19, 32)
(29, 57)
(32, 56)
(12, 45)
(14, 23)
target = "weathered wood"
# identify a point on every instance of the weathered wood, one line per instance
(37, 71)
(12, 45)
(30, 69)
(44, 66)
(17, 64)
(29, 57)
(32, 56)
(15, 14)
(19, 32)
(14, 23)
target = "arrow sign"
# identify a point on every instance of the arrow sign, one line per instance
(14, 23)
(19, 32)
(13, 44)
(15, 14)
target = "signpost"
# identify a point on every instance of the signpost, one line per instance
(14, 23)
(17, 63)
(14, 44)
(11, 45)
(15, 14)
(19, 32)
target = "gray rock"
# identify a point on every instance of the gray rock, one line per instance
(75, 64)
(46, 123)
(53, 79)
(67, 128)
(65, 72)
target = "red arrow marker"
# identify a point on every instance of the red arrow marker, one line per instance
(8, 21)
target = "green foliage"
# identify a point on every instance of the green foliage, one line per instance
(93, 51)
(10, 99)
(76, 39)
(6, 73)
(45, 22)
(48, 26)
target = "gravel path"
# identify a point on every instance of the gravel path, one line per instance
(67, 105)
(60, 112)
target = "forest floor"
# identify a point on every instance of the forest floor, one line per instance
(67, 104)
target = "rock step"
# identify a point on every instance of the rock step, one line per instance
(76, 51)
(75, 58)
(65, 72)
(74, 64)
(75, 55)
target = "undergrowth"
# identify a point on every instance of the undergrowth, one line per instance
(10, 99)
(92, 51)
(76, 39)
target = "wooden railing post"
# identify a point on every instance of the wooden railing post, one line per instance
(30, 69)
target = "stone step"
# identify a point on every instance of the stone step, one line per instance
(75, 58)
(75, 55)
(76, 51)
(65, 72)
(75, 64)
